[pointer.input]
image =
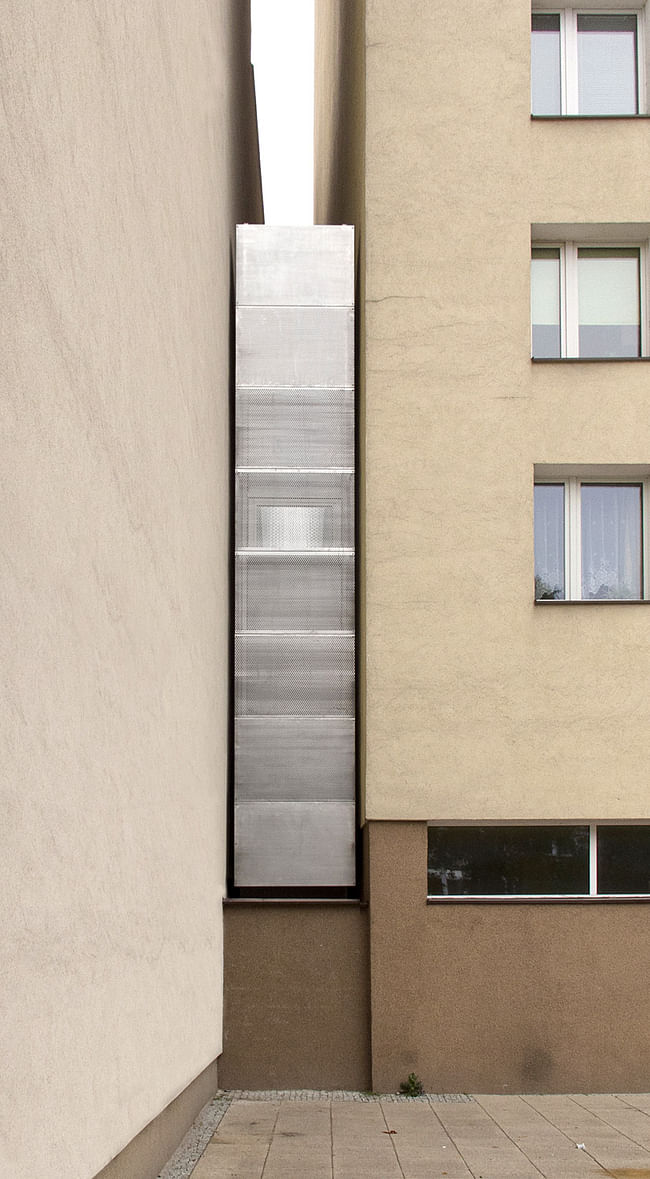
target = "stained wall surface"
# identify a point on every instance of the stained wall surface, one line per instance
(296, 996)
(479, 704)
(501, 998)
(127, 133)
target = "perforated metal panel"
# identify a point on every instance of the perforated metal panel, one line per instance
(302, 591)
(294, 510)
(294, 757)
(295, 427)
(294, 675)
(319, 342)
(294, 566)
(307, 838)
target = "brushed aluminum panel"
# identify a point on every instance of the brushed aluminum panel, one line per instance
(294, 591)
(294, 764)
(295, 346)
(286, 510)
(311, 265)
(294, 675)
(294, 844)
(295, 428)
(294, 758)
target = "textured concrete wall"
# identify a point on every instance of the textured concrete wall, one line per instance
(502, 998)
(479, 704)
(296, 996)
(122, 131)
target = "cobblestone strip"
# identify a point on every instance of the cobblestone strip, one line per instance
(340, 1095)
(187, 1155)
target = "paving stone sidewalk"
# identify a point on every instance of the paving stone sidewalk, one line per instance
(337, 1135)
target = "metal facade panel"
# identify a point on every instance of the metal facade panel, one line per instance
(295, 346)
(294, 757)
(306, 266)
(295, 427)
(294, 844)
(293, 510)
(294, 763)
(307, 591)
(294, 675)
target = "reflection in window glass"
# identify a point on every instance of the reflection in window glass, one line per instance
(506, 861)
(611, 541)
(623, 859)
(545, 64)
(549, 542)
(545, 302)
(607, 64)
(609, 309)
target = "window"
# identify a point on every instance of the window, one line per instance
(589, 538)
(586, 301)
(586, 63)
(585, 859)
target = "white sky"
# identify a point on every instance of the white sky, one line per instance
(283, 56)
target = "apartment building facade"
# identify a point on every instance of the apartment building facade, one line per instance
(492, 933)
(130, 153)
(503, 479)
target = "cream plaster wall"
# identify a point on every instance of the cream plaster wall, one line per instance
(126, 136)
(478, 703)
(339, 198)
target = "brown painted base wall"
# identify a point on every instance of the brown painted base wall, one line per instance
(296, 996)
(147, 1154)
(502, 998)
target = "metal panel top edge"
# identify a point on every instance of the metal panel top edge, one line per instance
(303, 265)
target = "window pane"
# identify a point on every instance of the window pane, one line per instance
(611, 541)
(623, 859)
(508, 861)
(549, 541)
(545, 64)
(545, 302)
(607, 65)
(608, 302)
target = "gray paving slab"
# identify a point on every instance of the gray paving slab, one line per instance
(336, 1135)
(617, 1154)
(633, 1123)
(302, 1141)
(543, 1144)
(421, 1143)
(240, 1146)
(484, 1146)
(361, 1143)
(636, 1100)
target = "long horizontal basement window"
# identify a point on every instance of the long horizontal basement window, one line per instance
(588, 859)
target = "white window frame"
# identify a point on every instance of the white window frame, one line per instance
(541, 896)
(573, 535)
(569, 54)
(569, 313)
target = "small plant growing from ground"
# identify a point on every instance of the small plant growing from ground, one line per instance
(412, 1086)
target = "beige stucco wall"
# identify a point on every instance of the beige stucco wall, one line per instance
(339, 198)
(122, 125)
(479, 704)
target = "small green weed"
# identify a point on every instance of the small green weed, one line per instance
(412, 1086)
